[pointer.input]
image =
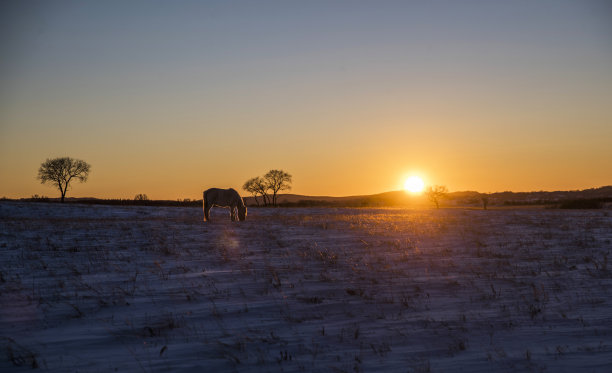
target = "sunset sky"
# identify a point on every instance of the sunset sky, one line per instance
(350, 97)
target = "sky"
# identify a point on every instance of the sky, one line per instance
(169, 98)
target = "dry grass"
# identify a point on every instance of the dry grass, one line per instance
(304, 289)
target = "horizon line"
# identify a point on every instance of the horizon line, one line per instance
(4, 198)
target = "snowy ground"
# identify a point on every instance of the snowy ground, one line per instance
(99, 288)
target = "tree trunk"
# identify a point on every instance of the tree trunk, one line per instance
(62, 191)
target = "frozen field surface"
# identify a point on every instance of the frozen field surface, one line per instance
(100, 288)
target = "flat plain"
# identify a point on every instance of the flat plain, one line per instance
(100, 288)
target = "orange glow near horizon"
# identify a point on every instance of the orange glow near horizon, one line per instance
(221, 92)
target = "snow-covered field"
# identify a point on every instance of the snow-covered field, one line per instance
(100, 288)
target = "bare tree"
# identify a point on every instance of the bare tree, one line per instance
(141, 197)
(256, 186)
(436, 193)
(250, 187)
(262, 187)
(60, 171)
(485, 201)
(277, 180)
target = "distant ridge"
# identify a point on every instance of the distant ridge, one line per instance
(462, 198)
(400, 198)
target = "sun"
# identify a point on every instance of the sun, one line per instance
(414, 184)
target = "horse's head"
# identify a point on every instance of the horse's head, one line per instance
(242, 211)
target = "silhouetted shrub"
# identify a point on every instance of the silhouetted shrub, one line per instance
(582, 204)
(307, 203)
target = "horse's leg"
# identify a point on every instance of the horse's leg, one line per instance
(233, 213)
(207, 207)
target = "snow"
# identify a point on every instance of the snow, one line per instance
(101, 288)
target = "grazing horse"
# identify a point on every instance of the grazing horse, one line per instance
(224, 198)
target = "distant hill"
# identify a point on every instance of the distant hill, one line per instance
(545, 198)
(463, 198)
(381, 199)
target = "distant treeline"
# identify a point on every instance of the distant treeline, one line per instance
(537, 202)
(580, 203)
(321, 203)
(198, 203)
(114, 201)
(595, 203)
(131, 202)
(570, 203)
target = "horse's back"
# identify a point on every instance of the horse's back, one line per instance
(218, 195)
(213, 191)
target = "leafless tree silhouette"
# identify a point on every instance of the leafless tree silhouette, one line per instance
(60, 171)
(257, 186)
(436, 193)
(485, 201)
(276, 181)
(249, 187)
